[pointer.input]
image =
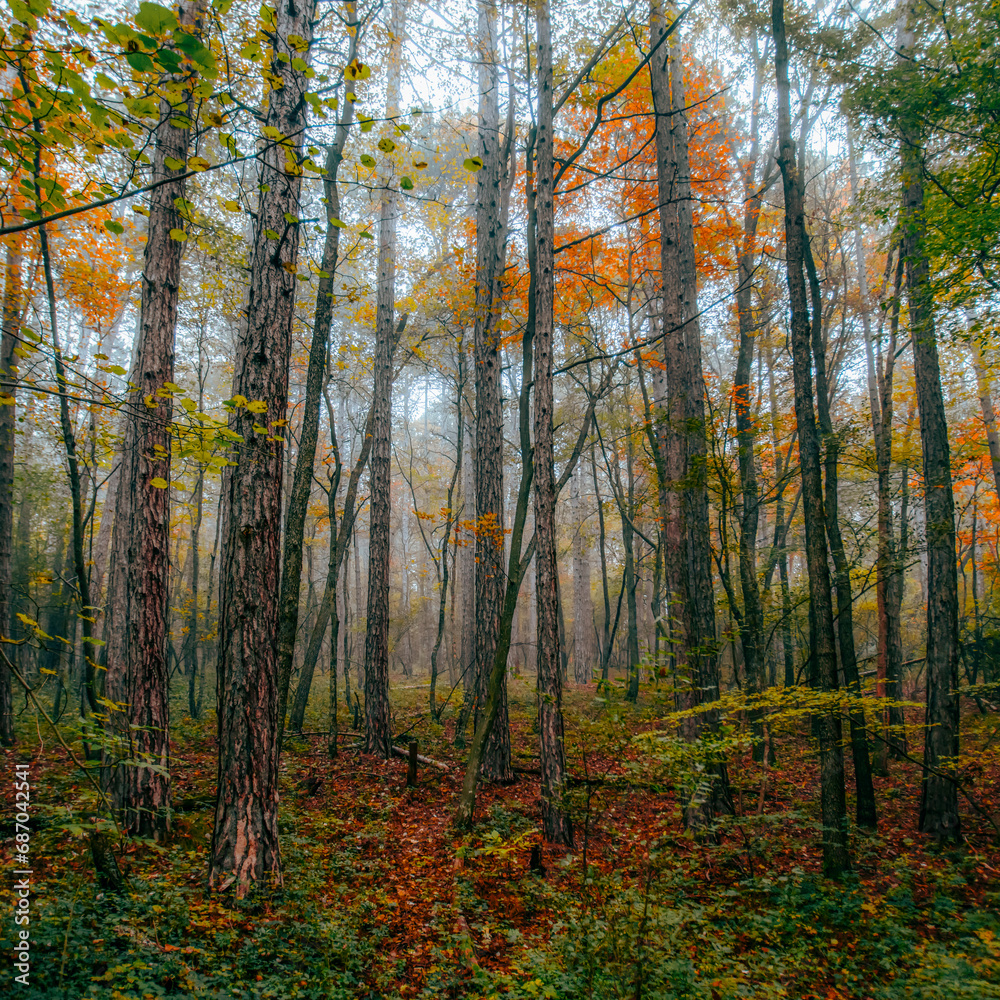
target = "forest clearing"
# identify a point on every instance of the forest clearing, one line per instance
(500, 499)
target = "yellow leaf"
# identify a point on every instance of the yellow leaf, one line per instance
(159, 482)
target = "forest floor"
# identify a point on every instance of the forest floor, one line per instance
(382, 898)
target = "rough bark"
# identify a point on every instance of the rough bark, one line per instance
(378, 720)
(491, 237)
(555, 819)
(939, 795)
(832, 797)
(245, 848)
(8, 398)
(671, 417)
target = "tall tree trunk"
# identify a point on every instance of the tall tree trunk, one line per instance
(378, 721)
(602, 546)
(865, 791)
(8, 398)
(298, 503)
(583, 609)
(628, 541)
(245, 847)
(697, 523)
(467, 585)
(752, 621)
(340, 539)
(986, 404)
(137, 669)
(939, 797)
(671, 419)
(446, 540)
(491, 238)
(555, 819)
(832, 797)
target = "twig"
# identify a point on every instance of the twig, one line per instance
(15, 673)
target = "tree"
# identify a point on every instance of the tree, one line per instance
(491, 243)
(298, 501)
(8, 398)
(378, 722)
(245, 849)
(136, 677)
(832, 798)
(555, 820)
(939, 794)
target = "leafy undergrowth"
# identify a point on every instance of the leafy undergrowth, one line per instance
(383, 899)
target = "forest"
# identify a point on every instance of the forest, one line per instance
(500, 500)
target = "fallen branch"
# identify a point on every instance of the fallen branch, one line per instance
(426, 761)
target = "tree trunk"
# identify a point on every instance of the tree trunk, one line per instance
(446, 540)
(602, 546)
(378, 721)
(245, 839)
(939, 796)
(672, 416)
(865, 791)
(137, 669)
(583, 609)
(836, 859)
(491, 238)
(986, 403)
(555, 820)
(8, 398)
(752, 621)
(298, 503)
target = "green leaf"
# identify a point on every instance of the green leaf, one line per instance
(159, 482)
(114, 226)
(366, 235)
(172, 163)
(291, 219)
(336, 223)
(386, 145)
(271, 234)
(179, 235)
(155, 19)
(406, 184)
(473, 163)
(140, 62)
(367, 161)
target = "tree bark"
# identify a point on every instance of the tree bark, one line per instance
(245, 849)
(833, 803)
(986, 404)
(864, 789)
(752, 620)
(939, 796)
(378, 720)
(555, 819)
(298, 503)
(8, 399)
(491, 238)
(583, 608)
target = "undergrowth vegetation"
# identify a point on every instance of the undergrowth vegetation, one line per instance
(382, 898)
